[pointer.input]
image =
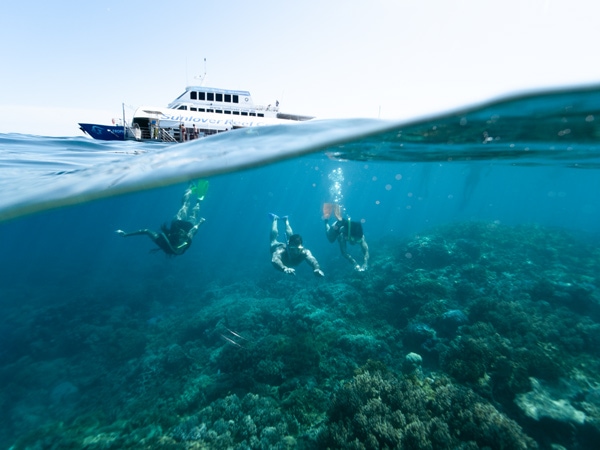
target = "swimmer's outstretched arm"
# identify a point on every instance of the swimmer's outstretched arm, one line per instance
(365, 250)
(312, 261)
(345, 254)
(153, 235)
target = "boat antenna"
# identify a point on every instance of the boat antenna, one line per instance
(202, 78)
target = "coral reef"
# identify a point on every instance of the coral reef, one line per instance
(487, 336)
(379, 410)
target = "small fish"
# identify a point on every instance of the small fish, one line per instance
(231, 341)
(235, 334)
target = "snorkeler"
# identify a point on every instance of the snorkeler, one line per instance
(292, 253)
(345, 231)
(177, 238)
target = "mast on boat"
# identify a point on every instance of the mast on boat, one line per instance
(202, 78)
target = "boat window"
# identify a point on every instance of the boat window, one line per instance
(210, 96)
(183, 107)
(201, 110)
(210, 110)
(236, 99)
(193, 109)
(261, 115)
(228, 98)
(201, 96)
(244, 113)
(236, 113)
(227, 112)
(219, 97)
(253, 114)
(193, 95)
(219, 111)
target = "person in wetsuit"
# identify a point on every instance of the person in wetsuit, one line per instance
(285, 256)
(177, 238)
(347, 231)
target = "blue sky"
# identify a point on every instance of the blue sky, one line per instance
(63, 63)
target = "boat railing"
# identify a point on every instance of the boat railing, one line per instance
(166, 136)
(128, 131)
(267, 108)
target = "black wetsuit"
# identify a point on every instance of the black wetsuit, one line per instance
(175, 240)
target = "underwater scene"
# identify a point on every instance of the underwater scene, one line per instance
(336, 284)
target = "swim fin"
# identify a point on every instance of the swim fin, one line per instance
(337, 211)
(329, 208)
(200, 188)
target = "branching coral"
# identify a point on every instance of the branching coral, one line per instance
(379, 410)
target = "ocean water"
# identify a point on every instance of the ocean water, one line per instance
(476, 323)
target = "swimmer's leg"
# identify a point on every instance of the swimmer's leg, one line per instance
(288, 228)
(274, 230)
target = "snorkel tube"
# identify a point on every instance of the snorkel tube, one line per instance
(349, 229)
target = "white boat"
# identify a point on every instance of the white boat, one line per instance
(199, 111)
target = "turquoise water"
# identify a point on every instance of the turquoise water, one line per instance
(482, 228)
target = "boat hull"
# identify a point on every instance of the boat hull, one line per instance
(104, 132)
